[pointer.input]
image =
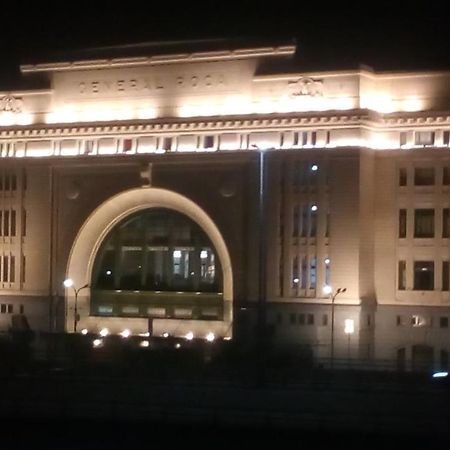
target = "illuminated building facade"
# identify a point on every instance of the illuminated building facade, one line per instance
(143, 177)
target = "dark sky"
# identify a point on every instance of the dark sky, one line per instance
(391, 35)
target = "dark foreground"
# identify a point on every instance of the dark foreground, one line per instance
(111, 435)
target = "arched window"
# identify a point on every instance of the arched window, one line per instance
(150, 255)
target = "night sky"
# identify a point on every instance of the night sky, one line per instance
(328, 36)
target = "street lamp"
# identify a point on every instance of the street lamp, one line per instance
(329, 290)
(262, 243)
(69, 283)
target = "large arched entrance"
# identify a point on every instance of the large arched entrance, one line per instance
(155, 260)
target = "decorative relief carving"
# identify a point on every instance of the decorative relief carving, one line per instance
(9, 103)
(305, 86)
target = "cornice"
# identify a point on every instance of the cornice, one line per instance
(183, 126)
(159, 59)
(240, 124)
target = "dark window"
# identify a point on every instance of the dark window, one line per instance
(423, 275)
(402, 275)
(445, 223)
(403, 136)
(295, 138)
(402, 223)
(446, 137)
(402, 177)
(325, 319)
(424, 176)
(424, 223)
(310, 319)
(445, 275)
(313, 138)
(445, 176)
(167, 143)
(208, 142)
(127, 145)
(301, 319)
(424, 138)
(443, 322)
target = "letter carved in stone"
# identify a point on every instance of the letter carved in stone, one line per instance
(9, 103)
(305, 86)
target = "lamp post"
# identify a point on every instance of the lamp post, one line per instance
(329, 290)
(262, 245)
(69, 283)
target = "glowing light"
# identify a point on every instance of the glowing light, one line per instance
(84, 331)
(104, 332)
(165, 334)
(68, 283)
(144, 344)
(177, 253)
(314, 208)
(189, 336)
(349, 326)
(314, 167)
(210, 337)
(203, 254)
(125, 333)
(327, 261)
(177, 345)
(227, 338)
(97, 343)
(327, 289)
(440, 374)
(147, 334)
(296, 280)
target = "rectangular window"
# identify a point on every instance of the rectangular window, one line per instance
(6, 223)
(424, 223)
(402, 223)
(295, 274)
(328, 138)
(424, 176)
(13, 222)
(312, 274)
(424, 138)
(296, 221)
(304, 273)
(167, 143)
(24, 223)
(403, 136)
(324, 320)
(301, 319)
(12, 269)
(313, 138)
(295, 138)
(445, 275)
(445, 223)
(401, 275)
(313, 224)
(10, 308)
(127, 145)
(310, 319)
(445, 176)
(304, 138)
(423, 275)
(402, 177)
(5, 268)
(208, 142)
(304, 224)
(443, 322)
(446, 137)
